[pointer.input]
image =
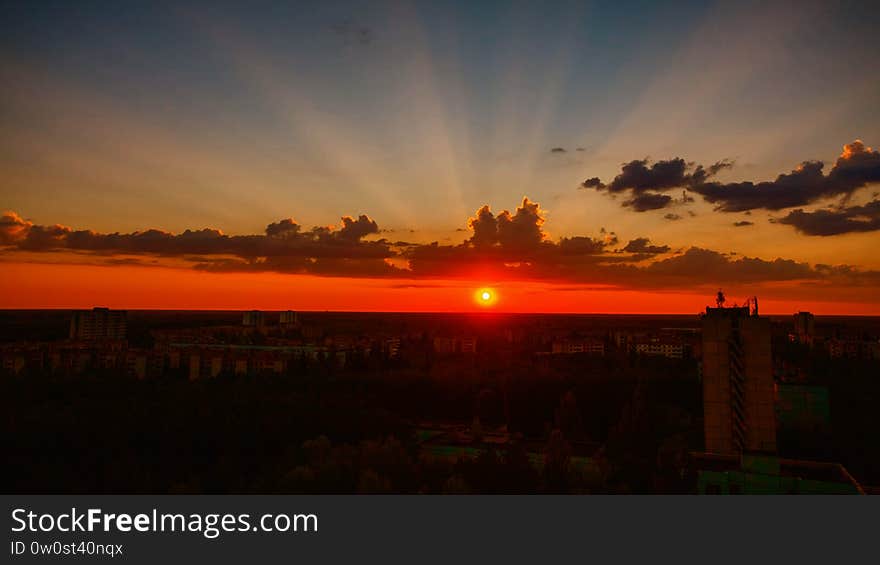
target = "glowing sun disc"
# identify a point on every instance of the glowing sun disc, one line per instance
(485, 297)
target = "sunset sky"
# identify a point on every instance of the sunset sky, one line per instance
(570, 156)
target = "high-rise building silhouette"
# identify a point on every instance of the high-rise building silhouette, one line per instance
(738, 386)
(97, 323)
(253, 319)
(804, 327)
(288, 318)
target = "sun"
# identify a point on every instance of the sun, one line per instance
(486, 297)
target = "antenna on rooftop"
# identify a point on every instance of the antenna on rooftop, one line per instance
(719, 299)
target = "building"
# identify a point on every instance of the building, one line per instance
(211, 360)
(392, 347)
(98, 324)
(738, 386)
(804, 328)
(288, 318)
(450, 345)
(570, 346)
(666, 346)
(254, 319)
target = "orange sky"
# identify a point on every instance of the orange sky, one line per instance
(38, 285)
(116, 149)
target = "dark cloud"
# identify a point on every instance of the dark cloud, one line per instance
(638, 177)
(672, 217)
(558, 150)
(648, 201)
(503, 246)
(643, 245)
(593, 182)
(698, 264)
(580, 149)
(284, 246)
(850, 219)
(856, 167)
(644, 181)
(742, 224)
(518, 231)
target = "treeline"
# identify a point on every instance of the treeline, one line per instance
(109, 433)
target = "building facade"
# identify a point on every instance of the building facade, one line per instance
(738, 386)
(98, 323)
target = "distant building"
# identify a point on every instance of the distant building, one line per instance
(804, 328)
(449, 345)
(467, 345)
(666, 346)
(98, 324)
(852, 348)
(210, 360)
(254, 319)
(392, 347)
(738, 386)
(570, 346)
(288, 318)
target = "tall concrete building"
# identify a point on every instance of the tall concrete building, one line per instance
(98, 323)
(738, 386)
(254, 319)
(288, 318)
(804, 327)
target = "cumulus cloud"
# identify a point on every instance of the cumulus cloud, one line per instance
(284, 246)
(508, 245)
(646, 183)
(520, 230)
(643, 245)
(648, 201)
(849, 219)
(13, 228)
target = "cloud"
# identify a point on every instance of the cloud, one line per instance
(558, 150)
(508, 245)
(743, 223)
(13, 228)
(643, 245)
(856, 167)
(641, 176)
(519, 231)
(850, 219)
(283, 247)
(593, 182)
(648, 201)
(672, 217)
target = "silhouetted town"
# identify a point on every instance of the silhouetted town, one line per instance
(728, 401)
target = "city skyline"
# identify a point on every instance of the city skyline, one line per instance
(403, 157)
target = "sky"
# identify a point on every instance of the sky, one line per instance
(571, 156)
